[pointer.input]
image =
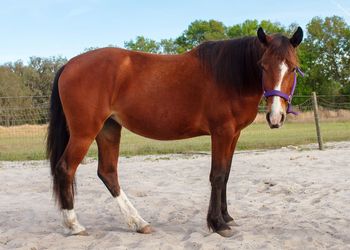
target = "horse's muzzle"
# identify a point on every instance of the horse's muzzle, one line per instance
(275, 120)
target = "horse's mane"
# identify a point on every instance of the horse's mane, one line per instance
(236, 62)
(233, 62)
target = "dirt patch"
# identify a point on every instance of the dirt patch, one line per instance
(290, 198)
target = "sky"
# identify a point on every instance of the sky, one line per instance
(66, 27)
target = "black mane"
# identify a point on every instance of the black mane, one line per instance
(233, 62)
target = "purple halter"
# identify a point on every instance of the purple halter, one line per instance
(286, 97)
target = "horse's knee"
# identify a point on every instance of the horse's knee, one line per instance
(217, 179)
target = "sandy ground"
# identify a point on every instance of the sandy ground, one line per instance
(291, 198)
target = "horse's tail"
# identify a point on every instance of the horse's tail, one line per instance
(57, 134)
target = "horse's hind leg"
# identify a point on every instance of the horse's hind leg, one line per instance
(108, 151)
(108, 141)
(64, 177)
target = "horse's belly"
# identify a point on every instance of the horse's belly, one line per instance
(162, 126)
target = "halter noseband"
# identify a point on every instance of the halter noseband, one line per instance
(286, 97)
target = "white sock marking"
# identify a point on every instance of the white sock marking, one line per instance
(70, 220)
(132, 217)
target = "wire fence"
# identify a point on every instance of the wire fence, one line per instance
(33, 110)
(21, 110)
(23, 120)
(303, 103)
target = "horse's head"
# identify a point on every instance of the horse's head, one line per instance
(279, 65)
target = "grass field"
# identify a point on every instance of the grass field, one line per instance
(27, 142)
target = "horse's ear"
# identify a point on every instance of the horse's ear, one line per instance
(297, 37)
(263, 38)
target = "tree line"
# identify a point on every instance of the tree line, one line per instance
(324, 55)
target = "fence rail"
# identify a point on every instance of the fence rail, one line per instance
(34, 109)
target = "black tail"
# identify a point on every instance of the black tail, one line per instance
(57, 134)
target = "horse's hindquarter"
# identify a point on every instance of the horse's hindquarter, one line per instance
(162, 97)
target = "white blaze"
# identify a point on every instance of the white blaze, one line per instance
(276, 107)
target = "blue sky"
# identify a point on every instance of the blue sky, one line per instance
(66, 28)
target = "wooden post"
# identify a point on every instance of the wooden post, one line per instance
(317, 121)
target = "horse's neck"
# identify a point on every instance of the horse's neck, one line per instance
(255, 61)
(249, 99)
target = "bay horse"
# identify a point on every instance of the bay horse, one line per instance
(214, 89)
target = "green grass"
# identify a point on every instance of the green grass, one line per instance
(19, 145)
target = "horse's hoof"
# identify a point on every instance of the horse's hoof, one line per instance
(145, 230)
(81, 233)
(232, 223)
(226, 233)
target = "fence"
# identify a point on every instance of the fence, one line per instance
(33, 110)
(23, 120)
(21, 110)
(303, 103)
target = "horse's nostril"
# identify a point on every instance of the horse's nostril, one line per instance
(283, 116)
(268, 117)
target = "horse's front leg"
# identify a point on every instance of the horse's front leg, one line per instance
(223, 143)
(226, 216)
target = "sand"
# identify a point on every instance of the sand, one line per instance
(290, 198)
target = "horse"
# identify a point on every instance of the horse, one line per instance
(213, 89)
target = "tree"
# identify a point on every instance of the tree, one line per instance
(325, 55)
(249, 28)
(12, 108)
(271, 27)
(11, 83)
(39, 74)
(200, 31)
(168, 46)
(143, 44)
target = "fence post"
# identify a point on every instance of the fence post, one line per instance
(317, 121)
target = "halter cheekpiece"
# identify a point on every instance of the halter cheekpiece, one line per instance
(285, 96)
